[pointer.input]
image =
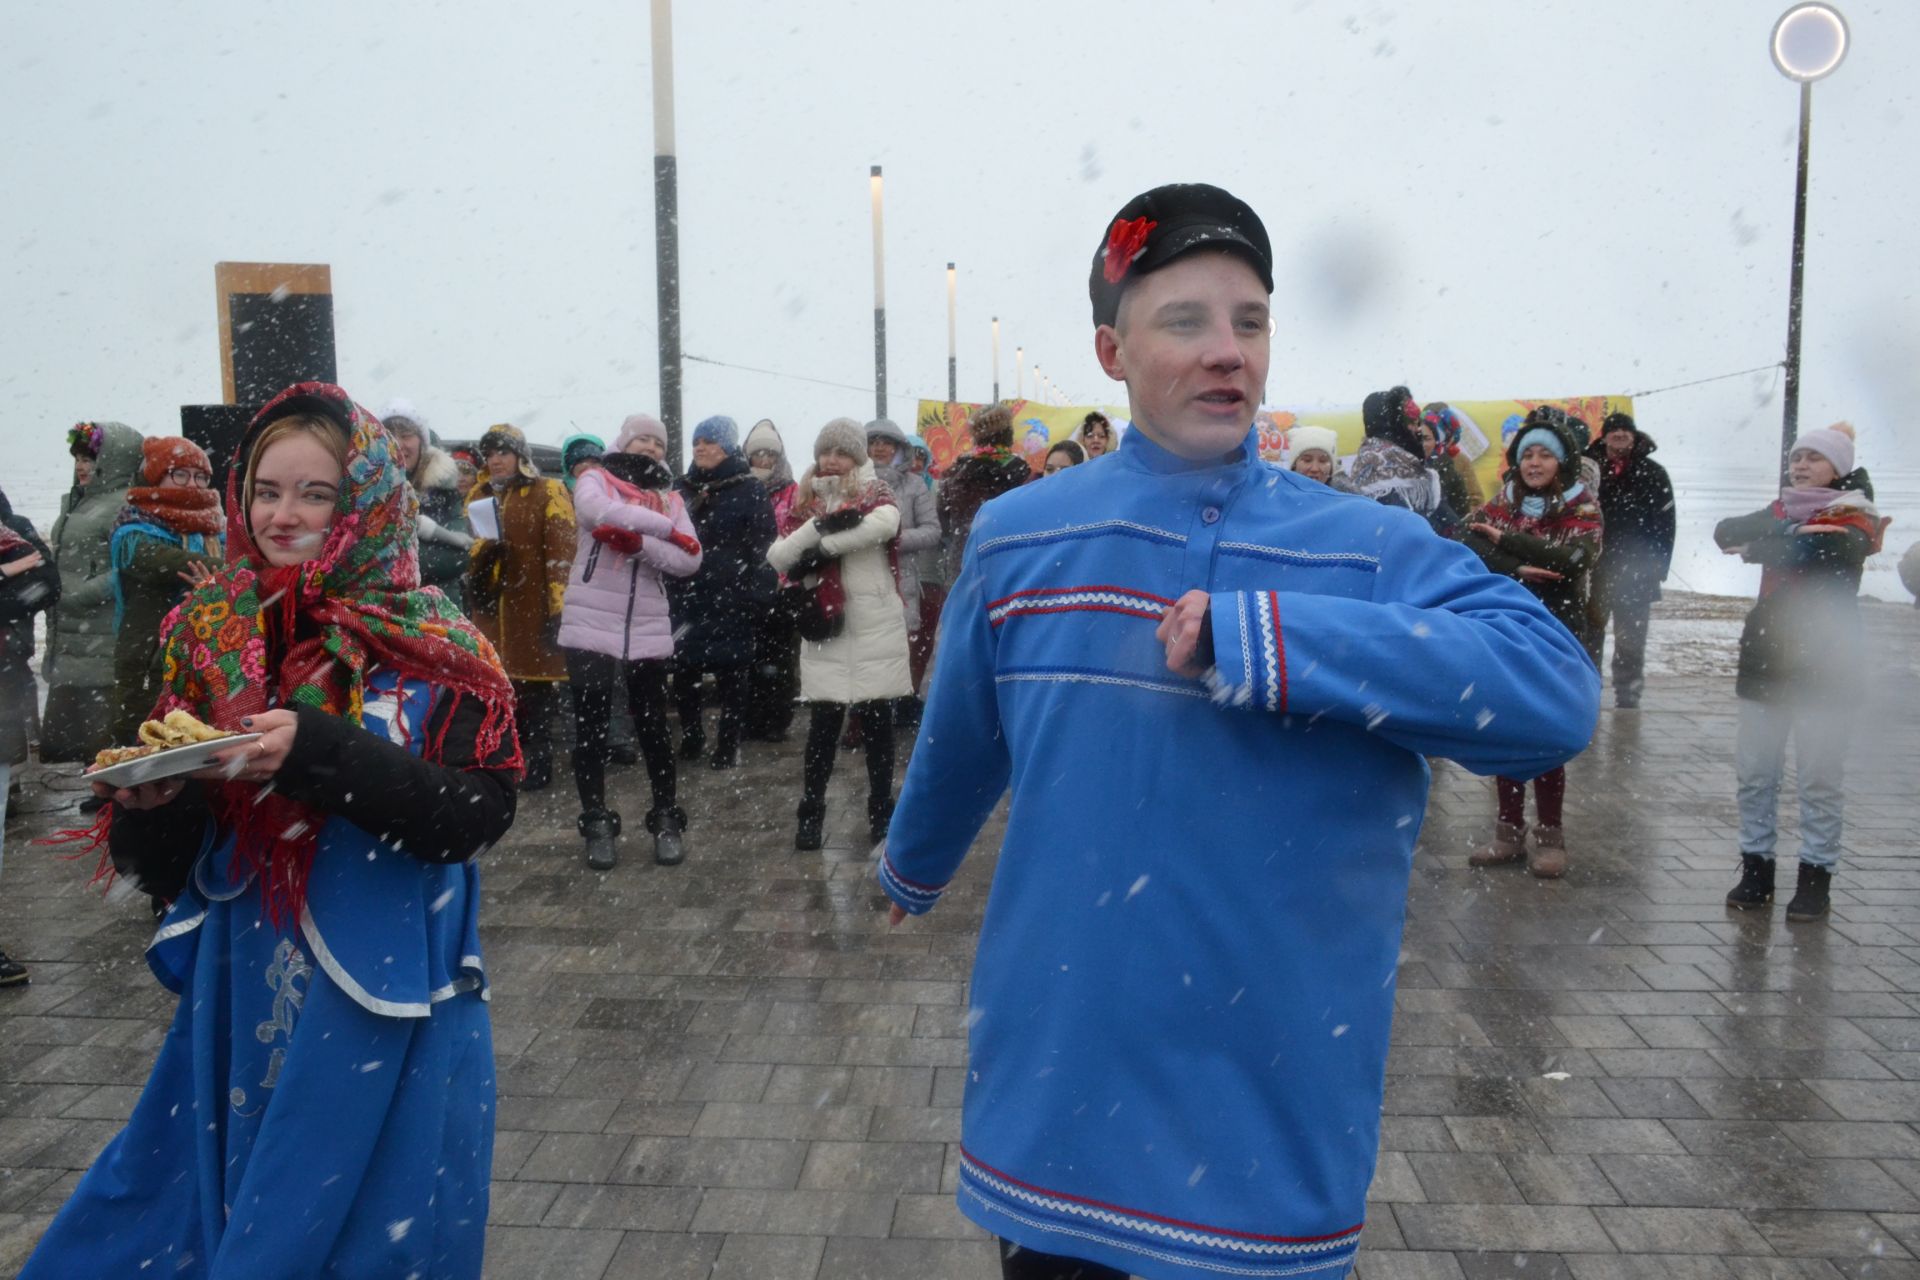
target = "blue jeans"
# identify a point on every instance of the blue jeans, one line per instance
(1819, 736)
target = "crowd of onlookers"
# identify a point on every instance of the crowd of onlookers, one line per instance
(723, 597)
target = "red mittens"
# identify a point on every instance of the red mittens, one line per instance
(622, 540)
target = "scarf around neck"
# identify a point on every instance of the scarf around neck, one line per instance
(179, 511)
(308, 635)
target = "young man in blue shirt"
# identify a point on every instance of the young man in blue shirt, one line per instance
(1183, 990)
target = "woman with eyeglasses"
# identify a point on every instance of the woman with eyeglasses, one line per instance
(164, 539)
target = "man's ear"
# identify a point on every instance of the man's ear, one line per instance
(1106, 349)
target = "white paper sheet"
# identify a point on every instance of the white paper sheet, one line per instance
(484, 515)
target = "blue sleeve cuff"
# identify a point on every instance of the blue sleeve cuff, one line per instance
(915, 898)
(1249, 652)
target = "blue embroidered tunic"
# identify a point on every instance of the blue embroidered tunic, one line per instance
(1184, 985)
(323, 1102)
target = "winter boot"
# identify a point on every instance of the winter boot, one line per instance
(726, 752)
(693, 744)
(812, 830)
(12, 972)
(600, 828)
(1548, 860)
(539, 775)
(879, 816)
(1509, 845)
(669, 839)
(1810, 894)
(1756, 883)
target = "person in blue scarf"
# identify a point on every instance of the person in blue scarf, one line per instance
(163, 541)
(1182, 996)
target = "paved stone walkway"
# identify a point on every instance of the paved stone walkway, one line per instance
(734, 1068)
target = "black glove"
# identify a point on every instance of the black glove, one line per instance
(550, 633)
(839, 522)
(812, 560)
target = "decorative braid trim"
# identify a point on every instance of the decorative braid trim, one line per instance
(1068, 533)
(1338, 1265)
(1089, 599)
(1308, 559)
(912, 892)
(1090, 675)
(995, 1187)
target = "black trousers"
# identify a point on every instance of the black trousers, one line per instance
(532, 715)
(823, 741)
(733, 684)
(775, 677)
(1018, 1262)
(594, 677)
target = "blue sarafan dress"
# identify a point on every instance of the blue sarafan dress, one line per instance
(1184, 987)
(323, 1103)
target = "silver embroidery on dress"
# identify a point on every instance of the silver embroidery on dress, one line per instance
(287, 977)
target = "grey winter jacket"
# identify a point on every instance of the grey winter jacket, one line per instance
(919, 514)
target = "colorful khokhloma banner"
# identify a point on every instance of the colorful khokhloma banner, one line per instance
(1036, 427)
(1486, 425)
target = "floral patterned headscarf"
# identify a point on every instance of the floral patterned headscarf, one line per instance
(308, 635)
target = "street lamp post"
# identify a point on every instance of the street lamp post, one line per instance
(1019, 373)
(666, 227)
(996, 360)
(1808, 44)
(879, 305)
(953, 339)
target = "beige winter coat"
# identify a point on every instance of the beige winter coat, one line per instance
(868, 659)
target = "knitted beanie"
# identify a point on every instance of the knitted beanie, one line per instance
(842, 436)
(581, 448)
(161, 454)
(636, 426)
(1302, 437)
(399, 417)
(764, 436)
(1834, 443)
(720, 430)
(1545, 436)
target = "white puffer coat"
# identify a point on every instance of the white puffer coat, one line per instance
(867, 661)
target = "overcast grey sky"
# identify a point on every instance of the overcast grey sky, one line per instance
(1481, 199)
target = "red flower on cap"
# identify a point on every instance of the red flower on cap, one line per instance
(1125, 243)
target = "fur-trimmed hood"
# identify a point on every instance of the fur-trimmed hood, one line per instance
(436, 470)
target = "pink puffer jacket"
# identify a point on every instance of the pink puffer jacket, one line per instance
(617, 603)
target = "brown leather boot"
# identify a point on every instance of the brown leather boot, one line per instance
(1509, 845)
(1548, 860)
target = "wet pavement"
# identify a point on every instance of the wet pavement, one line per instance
(734, 1068)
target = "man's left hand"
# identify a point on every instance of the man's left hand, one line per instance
(257, 761)
(1184, 632)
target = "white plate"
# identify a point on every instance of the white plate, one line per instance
(170, 763)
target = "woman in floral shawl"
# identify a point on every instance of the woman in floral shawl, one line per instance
(323, 1103)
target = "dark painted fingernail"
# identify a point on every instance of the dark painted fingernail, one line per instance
(246, 722)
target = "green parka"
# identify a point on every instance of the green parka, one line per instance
(80, 631)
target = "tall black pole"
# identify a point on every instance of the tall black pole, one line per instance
(1790, 413)
(666, 226)
(879, 304)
